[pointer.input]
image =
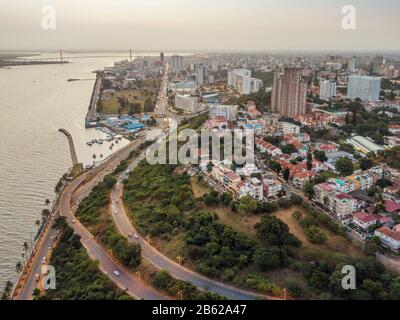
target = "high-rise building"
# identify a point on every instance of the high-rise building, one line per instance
(289, 93)
(241, 80)
(353, 64)
(364, 87)
(327, 89)
(177, 63)
(201, 73)
(376, 64)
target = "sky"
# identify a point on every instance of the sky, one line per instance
(200, 25)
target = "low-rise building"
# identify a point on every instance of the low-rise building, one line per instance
(271, 187)
(365, 220)
(390, 238)
(342, 205)
(227, 111)
(290, 128)
(363, 181)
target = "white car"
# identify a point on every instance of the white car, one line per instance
(73, 221)
(116, 273)
(136, 236)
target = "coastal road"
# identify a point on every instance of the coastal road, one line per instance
(162, 262)
(36, 269)
(73, 192)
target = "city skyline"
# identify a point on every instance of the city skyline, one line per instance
(175, 25)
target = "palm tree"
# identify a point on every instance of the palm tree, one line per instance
(7, 291)
(18, 267)
(101, 156)
(45, 214)
(26, 247)
(47, 202)
(37, 223)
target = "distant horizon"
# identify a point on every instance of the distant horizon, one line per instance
(208, 51)
(198, 26)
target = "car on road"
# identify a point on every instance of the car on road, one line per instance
(129, 235)
(73, 221)
(116, 273)
(136, 236)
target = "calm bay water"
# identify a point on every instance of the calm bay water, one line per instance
(35, 101)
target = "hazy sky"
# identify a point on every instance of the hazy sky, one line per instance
(200, 25)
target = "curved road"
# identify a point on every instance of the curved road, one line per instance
(73, 192)
(176, 270)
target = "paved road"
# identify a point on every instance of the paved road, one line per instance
(43, 251)
(125, 227)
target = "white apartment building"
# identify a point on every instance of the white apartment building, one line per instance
(187, 103)
(241, 81)
(342, 205)
(389, 237)
(253, 188)
(353, 64)
(290, 128)
(327, 89)
(227, 111)
(364, 87)
(271, 188)
(201, 73)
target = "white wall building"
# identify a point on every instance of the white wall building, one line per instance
(290, 128)
(242, 82)
(327, 89)
(389, 237)
(227, 111)
(201, 73)
(364, 87)
(187, 103)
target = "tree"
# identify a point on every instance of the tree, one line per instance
(289, 149)
(372, 246)
(247, 205)
(148, 105)
(344, 166)
(286, 174)
(275, 166)
(6, 295)
(309, 189)
(18, 267)
(366, 163)
(275, 232)
(320, 155)
(267, 258)
(109, 181)
(315, 235)
(379, 204)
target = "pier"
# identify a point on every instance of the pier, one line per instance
(91, 116)
(71, 146)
